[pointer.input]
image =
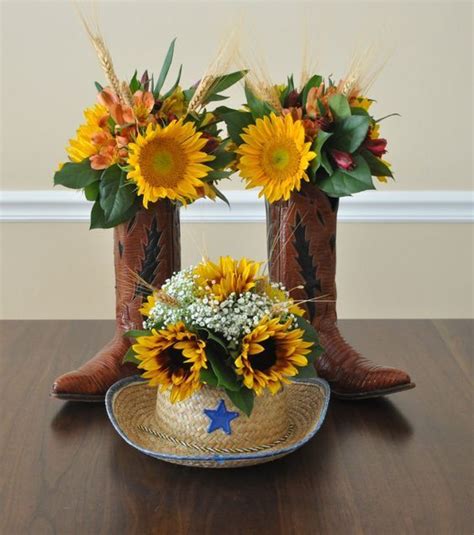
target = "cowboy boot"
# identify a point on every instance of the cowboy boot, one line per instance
(302, 255)
(149, 246)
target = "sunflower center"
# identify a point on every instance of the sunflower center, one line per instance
(282, 158)
(163, 162)
(266, 358)
(176, 360)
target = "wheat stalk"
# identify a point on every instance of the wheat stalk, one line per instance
(121, 89)
(126, 94)
(258, 79)
(202, 90)
(217, 68)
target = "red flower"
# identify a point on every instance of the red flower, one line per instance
(343, 159)
(292, 99)
(378, 147)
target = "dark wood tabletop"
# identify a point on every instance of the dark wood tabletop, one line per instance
(389, 466)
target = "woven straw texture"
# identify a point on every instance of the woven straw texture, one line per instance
(178, 433)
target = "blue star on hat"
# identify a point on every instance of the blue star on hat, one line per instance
(220, 418)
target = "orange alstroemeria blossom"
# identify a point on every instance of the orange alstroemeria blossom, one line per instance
(121, 113)
(143, 102)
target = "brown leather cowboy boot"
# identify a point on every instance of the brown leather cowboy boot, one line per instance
(302, 255)
(147, 245)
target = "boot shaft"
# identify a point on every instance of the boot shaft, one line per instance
(148, 245)
(301, 242)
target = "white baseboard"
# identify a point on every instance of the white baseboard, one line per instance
(367, 207)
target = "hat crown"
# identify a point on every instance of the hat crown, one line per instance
(210, 419)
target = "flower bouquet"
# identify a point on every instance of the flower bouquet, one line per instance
(305, 148)
(141, 143)
(219, 343)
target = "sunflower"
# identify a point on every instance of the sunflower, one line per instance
(270, 354)
(167, 162)
(148, 305)
(274, 155)
(82, 146)
(227, 276)
(361, 102)
(172, 359)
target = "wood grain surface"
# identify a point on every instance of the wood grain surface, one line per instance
(390, 466)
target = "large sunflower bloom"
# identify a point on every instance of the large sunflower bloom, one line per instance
(270, 354)
(172, 359)
(274, 155)
(227, 276)
(167, 162)
(83, 145)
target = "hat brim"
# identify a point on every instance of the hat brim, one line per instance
(308, 401)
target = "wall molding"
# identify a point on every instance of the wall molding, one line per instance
(28, 206)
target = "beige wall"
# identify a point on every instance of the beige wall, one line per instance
(60, 270)
(384, 271)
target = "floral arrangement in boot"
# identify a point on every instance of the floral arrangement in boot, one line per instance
(144, 150)
(225, 325)
(305, 148)
(142, 142)
(321, 133)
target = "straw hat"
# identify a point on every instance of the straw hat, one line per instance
(207, 430)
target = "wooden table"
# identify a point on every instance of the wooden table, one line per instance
(388, 466)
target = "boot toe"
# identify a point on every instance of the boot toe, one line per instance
(386, 379)
(76, 383)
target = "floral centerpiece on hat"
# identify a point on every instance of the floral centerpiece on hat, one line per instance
(225, 325)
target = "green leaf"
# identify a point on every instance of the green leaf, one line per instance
(175, 85)
(189, 93)
(359, 111)
(314, 81)
(339, 105)
(219, 194)
(214, 98)
(346, 182)
(208, 377)
(236, 121)
(164, 69)
(130, 356)
(226, 376)
(317, 147)
(376, 166)
(216, 175)
(310, 335)
(386, 117)
(76, 175)
(350, 133)
(326, 164)
(307, 372)
(243, 399)
(208, 335)
(135, 333)
(290, 86)
(117, 194)
(134, 83)
(91, 191)
(97, 216)
(227, 80)
(98, 87)
(258, 108)
(222, 159)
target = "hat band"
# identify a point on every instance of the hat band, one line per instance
(210, 449)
